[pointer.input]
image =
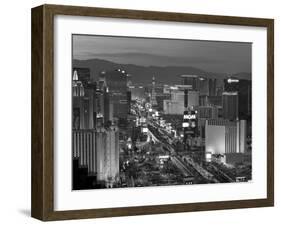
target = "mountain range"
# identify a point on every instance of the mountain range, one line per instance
(143, 74)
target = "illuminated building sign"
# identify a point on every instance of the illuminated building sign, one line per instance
(230, 80)
(185, 124)
(145, 130)
(208, 156)
(99, 115)
(189, 122)
(189, 116)
(164, 156)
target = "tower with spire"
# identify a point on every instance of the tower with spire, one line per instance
(153, 101)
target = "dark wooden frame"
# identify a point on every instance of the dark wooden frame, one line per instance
(42, 112)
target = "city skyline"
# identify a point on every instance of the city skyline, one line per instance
(196, 129)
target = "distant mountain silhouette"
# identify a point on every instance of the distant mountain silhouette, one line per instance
(143, 74)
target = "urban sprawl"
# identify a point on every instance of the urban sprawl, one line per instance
(197, 131)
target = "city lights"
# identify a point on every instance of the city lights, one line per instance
(138, 126)
(230, 80)
(189, 116)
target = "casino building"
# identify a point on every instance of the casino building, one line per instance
(95, 136)
(225, 136)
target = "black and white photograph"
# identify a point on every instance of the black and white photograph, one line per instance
(159, 112)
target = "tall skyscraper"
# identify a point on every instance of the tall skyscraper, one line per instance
(212, 86)
(190, 124)
(191, 100)
(244, 89)
(77, 101)
(107, 139)
(84, 74)
(84, 149)
(95, 135)
(83, 124)
(116, 81)
(153, 101)
(230, 105)
(180, 100)
(192, 80)
(107, 146)
(83, 102)
(231, 84)
(129, 100)
(108, 108)
(225, 136)
(203, 86)
(203, 100)
(242, 136)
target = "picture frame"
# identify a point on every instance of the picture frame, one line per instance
(43, 182)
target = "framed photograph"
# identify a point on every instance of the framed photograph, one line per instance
(141, 112)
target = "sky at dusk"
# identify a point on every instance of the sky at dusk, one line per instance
(221, 57)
